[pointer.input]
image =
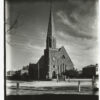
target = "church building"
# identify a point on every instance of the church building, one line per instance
(55, 61)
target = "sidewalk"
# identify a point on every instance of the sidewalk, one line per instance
(50, 87)
(50, 83)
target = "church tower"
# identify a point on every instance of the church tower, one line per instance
(50, 41)
(50, 44)
(56, 60)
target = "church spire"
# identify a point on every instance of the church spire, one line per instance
(51, 42)
(51, 23)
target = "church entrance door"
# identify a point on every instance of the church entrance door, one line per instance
(54, 75)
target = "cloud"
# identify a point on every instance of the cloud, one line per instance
(80, 29)
(82, 51)
(26, 46)
(79, 20)
(76, 41)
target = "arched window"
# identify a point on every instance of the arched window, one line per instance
(53, 66)
(58, 70)
(63, 57)
(65, 67)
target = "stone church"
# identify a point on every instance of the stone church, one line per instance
(55, 61)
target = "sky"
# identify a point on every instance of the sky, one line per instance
(75, 23)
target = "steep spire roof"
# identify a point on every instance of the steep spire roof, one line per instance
(50, 41)
(50, 31)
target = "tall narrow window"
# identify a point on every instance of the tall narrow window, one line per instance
(65, 67)
(53, 66)
(63, 57)
(58, 69)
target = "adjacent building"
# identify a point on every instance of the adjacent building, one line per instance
(10, 73)
(90, 71)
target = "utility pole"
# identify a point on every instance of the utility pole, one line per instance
(38, 71)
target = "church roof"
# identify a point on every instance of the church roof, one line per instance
(63, 50)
